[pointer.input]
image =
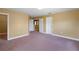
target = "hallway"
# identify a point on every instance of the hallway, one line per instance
(39, 42)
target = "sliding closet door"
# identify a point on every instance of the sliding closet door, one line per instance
(49, 25)
(41, 25)
(31, 25)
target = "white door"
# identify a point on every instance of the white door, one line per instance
(41, 25)
(49, 25)
(31, 25)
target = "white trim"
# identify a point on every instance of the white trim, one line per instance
(8, 28)
(4, 13)
(61, 36)
(48, 24)
(41, 29)
(19, 36)
(31, 25)
(7, 23)
(65, 37)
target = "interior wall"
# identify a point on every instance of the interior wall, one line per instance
(41, 28)
(31, 25)
(44, 23)
(18, 23)
(3, 23)
(66, 23)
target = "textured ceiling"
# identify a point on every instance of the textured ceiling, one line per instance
(40, 12)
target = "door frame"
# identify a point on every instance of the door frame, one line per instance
(31, 20)
(49, 19)
(41, 29)
(7, 14)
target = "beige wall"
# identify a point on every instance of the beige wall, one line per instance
(18, 23)
(66, 23)
(44, 23)
(3, 23)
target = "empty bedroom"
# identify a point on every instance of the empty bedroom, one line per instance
(44, 29)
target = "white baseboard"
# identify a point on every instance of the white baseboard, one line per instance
(50, 34)
(65, 37)
(61, 36)
(19, 36)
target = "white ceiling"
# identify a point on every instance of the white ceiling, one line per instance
(40, 12)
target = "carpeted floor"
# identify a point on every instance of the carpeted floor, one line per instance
(39, 42)
(3, 37)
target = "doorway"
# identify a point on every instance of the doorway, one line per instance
(49, 25)
(3, 26)
(36, 25)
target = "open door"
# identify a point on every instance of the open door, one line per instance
(3, 27)
(49, 25)
(41, 25)
(36, 25)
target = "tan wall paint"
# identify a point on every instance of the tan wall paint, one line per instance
(66, 23)
(18, 23)
(3, 23)
(44, 23)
